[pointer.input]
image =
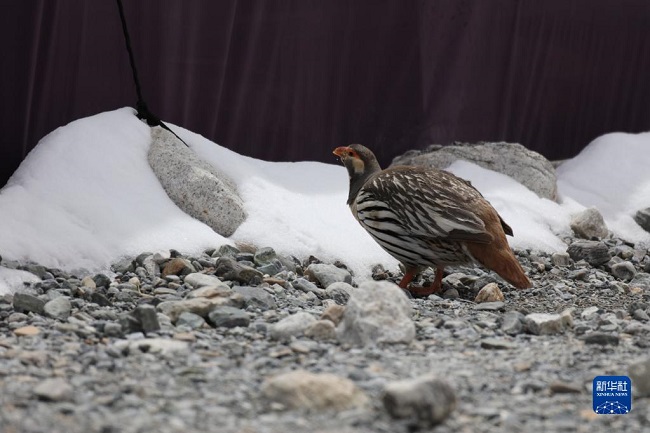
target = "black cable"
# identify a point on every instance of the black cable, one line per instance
(143, 112)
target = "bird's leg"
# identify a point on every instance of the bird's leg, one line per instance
(407, 278)
(435, 287)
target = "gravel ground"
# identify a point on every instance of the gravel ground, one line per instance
(169, 343)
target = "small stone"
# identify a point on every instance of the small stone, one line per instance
(425, 401)
(561, 259)
(154, 345)
(624, 271)
(147, 318)
(513, 323)
(211, 292)
(58, 308)
(88, 282)
(294, 325)
(198, 280)
(99, 299)
(339, 292)
(321, 330)
(27, 331)
(590, 312)
(641, 315)
(55, 389)
(327, 274)
(113, 329)
(101, 280)
(178, 266)
(490, 306)
(228, 317)
(123, 266)
(256, 297)
(497, 343)
(545, 324)
(229, 269)
(333, 313)
(307, 286)
(264, 256)
(589, 224)
(639, 373)
(490, 293)
(601, 338)
(595, 253)
(642, 218)
(26, 303)
(304, 390)
(641, 280)
(451, 294)
(191, 320)
(200, 306)
(377, 312)
(560, 387)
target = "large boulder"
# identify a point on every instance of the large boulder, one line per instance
(525, 166)
(195, 186)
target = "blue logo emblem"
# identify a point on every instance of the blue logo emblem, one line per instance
(612, 395)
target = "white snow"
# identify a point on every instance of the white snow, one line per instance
(86, 196)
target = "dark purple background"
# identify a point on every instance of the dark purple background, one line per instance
(292, 79)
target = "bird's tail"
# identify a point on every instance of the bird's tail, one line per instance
(499, 257)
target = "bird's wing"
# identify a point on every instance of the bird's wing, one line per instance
(423, 203)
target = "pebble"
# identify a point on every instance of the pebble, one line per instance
(307, 286)
(26, 303)
(545, 323)
(513, 323)
(377, 312)
(58, 308)
(198, 280)
(624, 271)
(27, 331)
(589, 224)
(55, 389)
(228, 317)
(327, 274)
(333, 313)
(595, 253)
(302, 389)
(294, 325)
(561, 259)
(602, 339)
(321, 330)
(191, 320)
(256, 297)
(497, 343)
(489, 293)
(425, 401)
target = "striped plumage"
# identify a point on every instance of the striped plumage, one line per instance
(425, 217)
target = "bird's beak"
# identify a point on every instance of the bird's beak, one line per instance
(340, 151)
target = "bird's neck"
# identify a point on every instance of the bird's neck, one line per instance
(359, 178)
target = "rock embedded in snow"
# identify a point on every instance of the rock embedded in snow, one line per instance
(377, 312)
(196, 187)
(642, 218)
(301, 389)
(595, 253)
(525, 166)
(425, 401)
(589, 224)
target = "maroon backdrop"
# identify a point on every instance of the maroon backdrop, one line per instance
(291, 79)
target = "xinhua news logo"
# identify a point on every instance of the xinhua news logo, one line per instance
(612, 395)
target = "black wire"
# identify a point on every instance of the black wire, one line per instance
(141, 107)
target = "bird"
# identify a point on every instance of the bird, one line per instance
(427, 218)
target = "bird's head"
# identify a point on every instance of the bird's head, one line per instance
(360, 163)
(358, 159)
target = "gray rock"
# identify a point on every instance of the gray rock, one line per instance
(123, 265)
(642, 218)
(256, 297)
(589, 224)
(642, 280)
(229, 269)
(55, 389)
(197, 187)
(305, 390)
(321, 330)
(601, 338)
(101, 280)
(339, 292)
(38, 270)
(593, 252)
(271, 268)
(147, 317)
(26, 303)
(228, 317)
(377, 312)
(513, 323)
(264, 256)
(198, 280)
(497, 343)
(290, 326)
(639, 373)
(307, 286)
(327, 274)
(545, 324)
(191, 320)
(590, 312)
(525, 166)
(561, 259)
(58, 308)
(424, 401)
(624, 271)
